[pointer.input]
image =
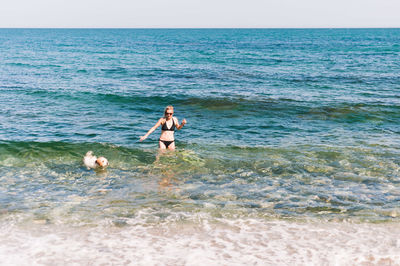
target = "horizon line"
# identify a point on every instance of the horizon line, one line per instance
(173, 28)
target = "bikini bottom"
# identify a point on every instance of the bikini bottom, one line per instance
(166, 142)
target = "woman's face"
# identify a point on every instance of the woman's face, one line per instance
(169, 113)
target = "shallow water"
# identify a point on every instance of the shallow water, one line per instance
(290, 154)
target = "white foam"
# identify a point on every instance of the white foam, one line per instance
(202, 242)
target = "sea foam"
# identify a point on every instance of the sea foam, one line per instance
(222, 242)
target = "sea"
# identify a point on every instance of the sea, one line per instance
(290, 154)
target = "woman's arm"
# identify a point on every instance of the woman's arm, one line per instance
(181, 125)
(152, 129)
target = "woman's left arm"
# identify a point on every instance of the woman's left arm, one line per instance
(179, 126)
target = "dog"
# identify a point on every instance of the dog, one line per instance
(92, 162)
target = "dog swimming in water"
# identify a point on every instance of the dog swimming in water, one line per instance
(92, 162)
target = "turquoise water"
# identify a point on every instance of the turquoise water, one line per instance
(283, 125)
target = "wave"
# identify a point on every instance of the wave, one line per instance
(125, 97)
(37, 66)
(288, 159)
(336, 77)
(355, 113)
(115, 70)
(22, 154)
(327, 109)
(22, 65)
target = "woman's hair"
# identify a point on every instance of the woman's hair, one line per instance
(169, 107)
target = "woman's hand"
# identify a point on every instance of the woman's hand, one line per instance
(183, 122)
(142, 138)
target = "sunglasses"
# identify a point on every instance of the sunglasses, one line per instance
(169, 113)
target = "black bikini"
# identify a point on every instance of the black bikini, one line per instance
(165, 128)
(166, 142)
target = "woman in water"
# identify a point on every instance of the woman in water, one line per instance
(168, 124)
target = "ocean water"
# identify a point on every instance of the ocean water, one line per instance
(291, 153)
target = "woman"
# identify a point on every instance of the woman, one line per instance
(168, 124)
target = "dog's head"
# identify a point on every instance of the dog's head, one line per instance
(102, 161)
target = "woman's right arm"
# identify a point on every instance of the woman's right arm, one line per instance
(152, 129)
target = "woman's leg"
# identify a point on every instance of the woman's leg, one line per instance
(171, 146)
(161, 145)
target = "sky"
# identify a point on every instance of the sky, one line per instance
(199, 13)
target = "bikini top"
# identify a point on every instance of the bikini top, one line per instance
(165, 128)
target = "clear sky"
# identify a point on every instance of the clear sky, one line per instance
(199, 13)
